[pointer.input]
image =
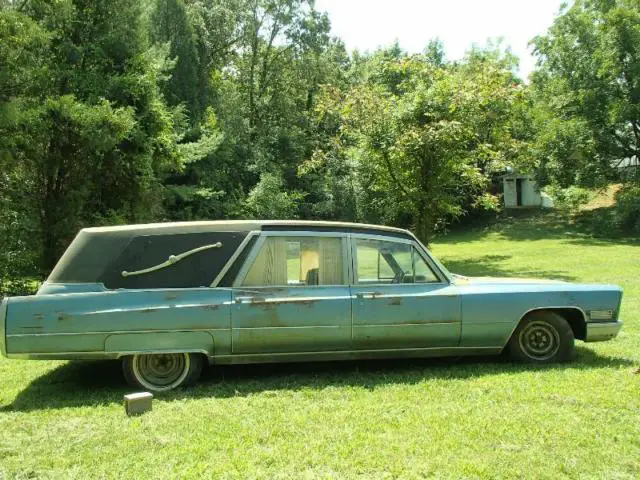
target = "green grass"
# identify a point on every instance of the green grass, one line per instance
(477, 418)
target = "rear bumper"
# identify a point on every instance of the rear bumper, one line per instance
(3, 319)
(601, 332)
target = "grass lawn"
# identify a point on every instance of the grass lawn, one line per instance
(479, 418)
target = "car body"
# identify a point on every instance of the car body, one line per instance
(169, 296)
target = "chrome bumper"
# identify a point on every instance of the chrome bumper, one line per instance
(601, 332)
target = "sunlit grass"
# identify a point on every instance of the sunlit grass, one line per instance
(480, 418)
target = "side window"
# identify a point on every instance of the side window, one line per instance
(381, 261)
(297, 261)
(422, 271)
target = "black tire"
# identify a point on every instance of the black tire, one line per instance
(162, 372)
(542, 337)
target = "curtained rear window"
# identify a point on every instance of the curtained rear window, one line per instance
(300, 261)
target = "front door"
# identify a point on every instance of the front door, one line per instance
(292, 296)
(398, 299)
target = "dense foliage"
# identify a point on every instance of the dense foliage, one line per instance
(122, 111)
(589, 88)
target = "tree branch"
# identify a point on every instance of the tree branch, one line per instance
(387, 162)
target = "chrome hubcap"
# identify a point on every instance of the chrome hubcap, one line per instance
(539, 341)
(162, 371)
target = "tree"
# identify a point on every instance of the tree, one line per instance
(426, 138)
(85, 129)
(188, 82)
(120, 111)
(590, 75)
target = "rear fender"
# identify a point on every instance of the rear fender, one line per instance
(122, 344)
(3, 330)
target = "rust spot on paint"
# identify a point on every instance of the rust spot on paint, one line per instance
(171, 296)
(271, 305)
(63, 316)
(38, 316)
(210, 307)
(148, 310)
(33, 327)
(395, 301)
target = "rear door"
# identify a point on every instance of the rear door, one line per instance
(399, 299)
(292, 295)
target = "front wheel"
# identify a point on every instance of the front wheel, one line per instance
(542, 337)
(161, 372)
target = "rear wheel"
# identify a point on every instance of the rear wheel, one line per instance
(542, 337)
(161, 372)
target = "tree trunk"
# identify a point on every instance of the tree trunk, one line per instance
(423, 226)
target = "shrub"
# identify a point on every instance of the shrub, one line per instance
(628, 208)
(571, 198)
(269, 199)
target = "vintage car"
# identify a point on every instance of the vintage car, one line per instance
(165, 298)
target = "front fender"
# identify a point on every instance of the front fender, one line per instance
(490, 312)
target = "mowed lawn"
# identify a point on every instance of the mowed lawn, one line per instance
(479, 418)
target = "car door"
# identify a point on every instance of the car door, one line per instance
(399, 299)
(292, 295)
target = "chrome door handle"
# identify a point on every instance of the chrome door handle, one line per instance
(244, 299)
(367, 294)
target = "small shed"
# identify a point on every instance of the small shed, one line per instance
(521, 190)
(628, 168)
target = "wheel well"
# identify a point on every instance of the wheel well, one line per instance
(573, 316)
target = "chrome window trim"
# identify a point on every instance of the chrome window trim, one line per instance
(233, 258)
(244, 270)
(351, 277)
(432, 267)
(432, 261)
(443, 279)
(346, 259)
(248, 262)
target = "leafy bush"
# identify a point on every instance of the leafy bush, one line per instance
(628, 208)
(571, 198)
(19, 254)
(269, 199)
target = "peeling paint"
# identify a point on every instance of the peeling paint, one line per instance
(270, 304)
